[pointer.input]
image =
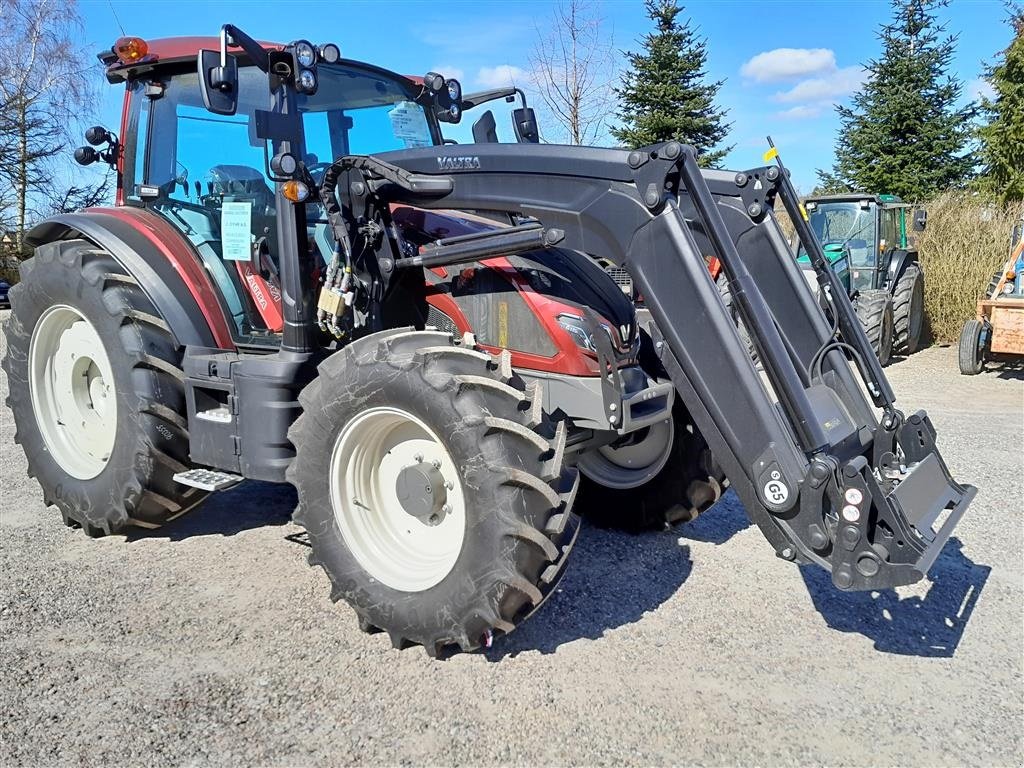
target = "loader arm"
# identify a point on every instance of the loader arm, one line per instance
(825, 478)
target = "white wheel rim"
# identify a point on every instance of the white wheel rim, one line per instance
(631, 465)
(395, 547)
(71, 385)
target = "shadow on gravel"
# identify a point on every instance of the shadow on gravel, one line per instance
(718, 524)
(1008, 369)
(614, 578)
(914, 626)
(246, 507)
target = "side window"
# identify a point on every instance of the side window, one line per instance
(890, 233)
(209, 170)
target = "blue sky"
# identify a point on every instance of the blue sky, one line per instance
(785, 63)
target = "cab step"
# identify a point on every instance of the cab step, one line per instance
(208, 479)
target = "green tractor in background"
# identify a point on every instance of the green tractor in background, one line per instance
(865, 239)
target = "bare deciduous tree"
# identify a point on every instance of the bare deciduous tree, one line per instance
(46, 87)
(572, 66)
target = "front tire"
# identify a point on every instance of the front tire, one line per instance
(874, 310)
(97, 392)
(970, 355)
(433, 489)
(670, 489)
(908, 310)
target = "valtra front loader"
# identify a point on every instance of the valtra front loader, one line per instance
(302, 283)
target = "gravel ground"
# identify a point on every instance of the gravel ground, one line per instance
(212, 642)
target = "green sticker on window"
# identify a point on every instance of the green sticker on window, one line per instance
(236, 231)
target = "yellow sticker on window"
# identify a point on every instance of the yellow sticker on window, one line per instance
(771, 154)
(503, 324)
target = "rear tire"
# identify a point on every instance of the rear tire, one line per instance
(688, 483)
(874, 309)
(970, 354)
(69, 291)
(509, 495)
(908, 310)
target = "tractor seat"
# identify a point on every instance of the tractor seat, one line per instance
(242, 183)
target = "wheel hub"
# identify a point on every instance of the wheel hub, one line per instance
(397, 498)
(71, 386)
(421, 492)
(631, 465)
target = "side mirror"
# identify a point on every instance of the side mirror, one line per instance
(920, 220)
(218, 81)
(485, 130)
(524, 121)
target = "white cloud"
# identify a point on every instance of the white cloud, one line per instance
(789, 64)
(800, 112)
(501, 75)
(449, 71)
(830, 87)
(980, 87)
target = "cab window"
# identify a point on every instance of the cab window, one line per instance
(890, 231)
(205, 175)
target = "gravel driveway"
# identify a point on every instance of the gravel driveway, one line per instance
(212, 641)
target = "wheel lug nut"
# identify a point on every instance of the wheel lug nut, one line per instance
(446, 509)
(436, 463)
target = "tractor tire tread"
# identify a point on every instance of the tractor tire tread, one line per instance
(489, 399)
(148, 495)
(908, 310)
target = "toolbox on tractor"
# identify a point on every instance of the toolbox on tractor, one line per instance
(449, 357)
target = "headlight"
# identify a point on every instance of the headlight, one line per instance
(1008, 288)
(307, 81)
(330, 53)
(433, 81)
(454, 90)
(580, 335)
(305, 54)
(455, 110)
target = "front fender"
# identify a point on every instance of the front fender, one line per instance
(153, 253)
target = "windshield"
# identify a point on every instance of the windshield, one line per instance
(848, 224)
(206, 173)
(361, 112)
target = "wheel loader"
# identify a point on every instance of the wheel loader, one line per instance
(300, 282)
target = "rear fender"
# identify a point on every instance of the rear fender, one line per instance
(155, 255)
(898, 263)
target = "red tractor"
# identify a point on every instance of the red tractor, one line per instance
(301, 282)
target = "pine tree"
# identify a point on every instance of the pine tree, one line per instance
(663, 93)
(1002, 139)
(904, 133)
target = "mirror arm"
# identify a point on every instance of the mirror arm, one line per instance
(230, 35)
(472, 100)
